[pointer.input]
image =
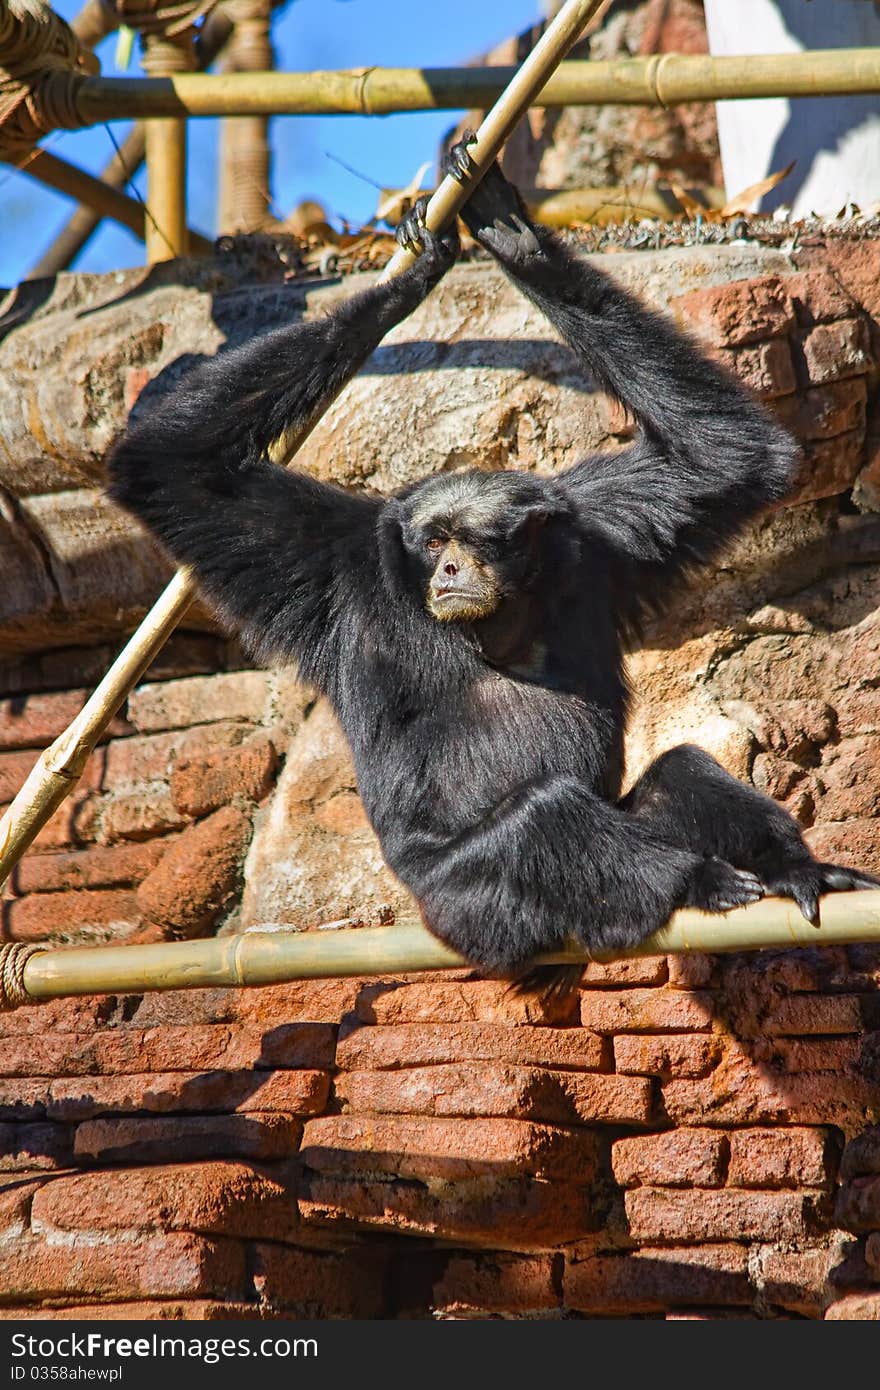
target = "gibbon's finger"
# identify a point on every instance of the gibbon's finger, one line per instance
(807, 900)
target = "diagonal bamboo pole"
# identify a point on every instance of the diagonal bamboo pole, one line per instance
(280, 955)
(60, 766)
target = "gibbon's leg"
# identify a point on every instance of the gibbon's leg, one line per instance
(690, 800)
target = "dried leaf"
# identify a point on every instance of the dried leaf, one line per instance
(393, 208)
(743, 201)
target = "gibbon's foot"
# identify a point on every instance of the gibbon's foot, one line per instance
(807, 880)
(413, 234)
(717, 886)
(554, 983)
(494, 213)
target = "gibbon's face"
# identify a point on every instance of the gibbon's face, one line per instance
(475, 541)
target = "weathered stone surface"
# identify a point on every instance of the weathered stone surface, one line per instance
(666, 1055)
(784, 1157)
(196, 879)
(655, 1278)
(681, 1158)
(478, 1001)
(660, 1214)
(200, 784)
(502, 1214)
(314, 858)
(745, 311)
(425, 1148)
(426, 1044)
(507, 1285)
(212, 1198)
(187, 1137)
(319, 1283)
(32, 1269)
(557, 1097)
(647, 1011)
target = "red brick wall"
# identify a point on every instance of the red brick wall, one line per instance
(693, 1137)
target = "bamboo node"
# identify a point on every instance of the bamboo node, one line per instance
(362, 95)
(653, 74)
(13, 959)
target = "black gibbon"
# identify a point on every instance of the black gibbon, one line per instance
(469, 630)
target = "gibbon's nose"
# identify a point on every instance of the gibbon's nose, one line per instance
(450, 569)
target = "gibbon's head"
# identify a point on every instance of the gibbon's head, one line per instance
(475, 540)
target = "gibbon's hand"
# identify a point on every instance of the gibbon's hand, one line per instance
(436, 252)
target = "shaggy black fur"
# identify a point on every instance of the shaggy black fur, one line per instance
(489, 752)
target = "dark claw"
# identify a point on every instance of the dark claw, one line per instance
(838, 879)
(459, 163)
(808, 903)
(411, 229)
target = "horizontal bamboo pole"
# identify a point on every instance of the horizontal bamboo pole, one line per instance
(102, 197)
(273, 957)
(666, 79)
(60, 766)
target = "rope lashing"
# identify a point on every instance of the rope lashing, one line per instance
(41, 61)
(13, 959)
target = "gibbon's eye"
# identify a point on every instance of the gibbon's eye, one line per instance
(435, 545)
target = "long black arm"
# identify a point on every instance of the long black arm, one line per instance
(707, 457)
(279, 554)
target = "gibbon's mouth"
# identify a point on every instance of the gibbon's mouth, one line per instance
(468, 595)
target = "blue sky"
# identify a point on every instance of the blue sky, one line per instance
(309, 34)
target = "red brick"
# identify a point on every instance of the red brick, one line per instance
(421, 1148)
(473, 1001)
(796, 1280)
(862, 1154)
(15, 1205)
(853, 842)
(33, 721)
(693, 970)
(641, 970)
(679, 1158)
(153, 1266)
(828, 467)
(858, 1204)
(202, 784)
(658, 1213)
(818, 296)
(826, 411)
(81, 1098)
(799, 1014)
(139, 1310)
(765, 368)
(740, 312)
(45, 915)
(140, 816)
(666, 1055)
(133, 761)
(182, 1138)
(835, 350)
(320, 1283)
(855, 1307)
(28, 1147)
(647, 1011)
(198, 876)
(824, 1054)
(780, 1158)
(503, 1214)
(742, 1091)
(652, 1280)
(97, 867)
(75, 1015)
(858, 713)
(497, 1285)
(212, 1198)
(240, 695)
(313, 1000)
(557, 1097)
(76, 822)
(423, 1044)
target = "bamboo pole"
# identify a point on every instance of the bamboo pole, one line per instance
(60, 766)
(165, 231)
(666, 79)
(278, 956)
(102, 197)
